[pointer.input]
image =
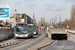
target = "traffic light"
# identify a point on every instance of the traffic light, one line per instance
(41, 24)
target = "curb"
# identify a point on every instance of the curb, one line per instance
(45, 46)
(71, 33)
(8, 44)
(49, 35)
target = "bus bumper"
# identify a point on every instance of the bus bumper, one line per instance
(22, 36)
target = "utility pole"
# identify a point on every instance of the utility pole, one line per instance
(52, 21)
(56, 22)
(47, 23)
(14, 11)
(60, 20)
(25, 6)
(14, 14)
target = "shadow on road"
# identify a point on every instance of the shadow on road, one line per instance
(35, 36)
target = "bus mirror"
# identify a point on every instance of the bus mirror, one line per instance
(12, 26)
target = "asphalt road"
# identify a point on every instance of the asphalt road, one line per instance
(63, 44)
(25, 45)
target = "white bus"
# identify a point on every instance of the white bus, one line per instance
(23, 31)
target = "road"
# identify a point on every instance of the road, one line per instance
(63, 44)
(26, 44)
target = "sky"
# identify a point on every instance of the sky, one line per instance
(41, 8)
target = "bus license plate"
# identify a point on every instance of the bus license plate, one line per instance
(21, 36)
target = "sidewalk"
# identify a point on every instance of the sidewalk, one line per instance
(8, 43)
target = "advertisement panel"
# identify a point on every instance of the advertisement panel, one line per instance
(20, 18)
(4, 12)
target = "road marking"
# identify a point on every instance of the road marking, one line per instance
(16, 44)
(56, 41)
(61, 45)
(49, 45)
(29, 43)
(22, 46)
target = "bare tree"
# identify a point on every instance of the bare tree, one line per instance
(72, 19)
(66, 23)
(72, 13)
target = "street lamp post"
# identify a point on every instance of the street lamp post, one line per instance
(14, 12)
(14, 15)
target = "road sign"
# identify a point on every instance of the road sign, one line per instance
(41, 24)
(4, 12)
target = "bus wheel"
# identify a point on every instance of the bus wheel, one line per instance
(37, 33)
(32, 35)
(28, 36)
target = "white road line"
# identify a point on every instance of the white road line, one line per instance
(56, 41)
(16, 44)
(22, 46)
(62, 45)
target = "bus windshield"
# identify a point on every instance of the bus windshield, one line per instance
(21, 29)
(34, 29)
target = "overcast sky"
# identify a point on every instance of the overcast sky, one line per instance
(42, 8)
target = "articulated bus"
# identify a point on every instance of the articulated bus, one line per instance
(35, 29)
(23, 31)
